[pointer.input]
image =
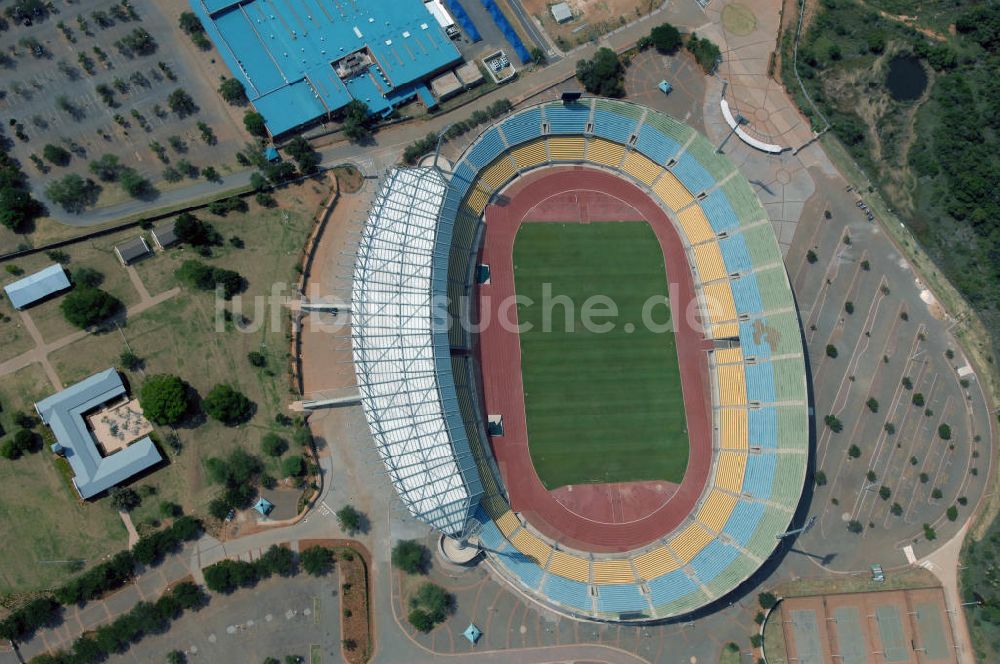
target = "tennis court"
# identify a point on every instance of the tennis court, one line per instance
(894, 626)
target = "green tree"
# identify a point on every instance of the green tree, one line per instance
(350, 519)
(820, 478)
(665, 38)
(538, 56)
(767, 600)
(107, 168)
(254, 123)
(176, 657)
(317, 560)
(831, 351)
(124, 499)
(130, 360)
(884, 492)
(853, 451)
(192, 230)
(944, 432)
(421, 620)
(85, 307)
(257, 359)
(233, 92)
(273, 444)
(952, 513)
(55, 154)
(872, 404)
(834, 423)
(181, 103)
(603, 74)
(228, 405)
(165, 399)
(355, 125)
(411, 556)
(705, 52)
(854, 526)
(293, 466)
(72, 193)
(896, 509)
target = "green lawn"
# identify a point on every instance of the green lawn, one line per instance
(601, 407)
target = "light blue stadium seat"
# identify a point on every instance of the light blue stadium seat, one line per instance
(490, 536)
(613, 127)
(522, 127)
(746, 295)
(743, 521)
(719, 212)
(761, 350)
(568, 592)
(621, 598)
(692, 174)
(656, 145)
(759, 475)
(760, 382)
(670, 587)
(524, 567)
(488, 148)
(713, 559)
(735, 254)
(462, 178)
(568, 118)
(763, 427)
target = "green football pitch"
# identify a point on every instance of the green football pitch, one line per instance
(601, 406)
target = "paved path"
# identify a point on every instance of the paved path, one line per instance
(133, 534)
(944, 564)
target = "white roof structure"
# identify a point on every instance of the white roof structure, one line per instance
(403, 387)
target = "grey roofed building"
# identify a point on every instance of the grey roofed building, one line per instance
(132, 250)
(37, 286)
(164, 235)
(561, 12)
(64, 412)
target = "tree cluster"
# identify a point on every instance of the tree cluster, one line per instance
(411, 556)
(429, 606)
(228, 405)
(22, 442)
(86, 306)
(238, 474)
(704, 51)
(198, 275)
(226, 576)
(165, 399)
(355, 123)
(17, 208)
(479, 117)
(603, 74)
(307, 158)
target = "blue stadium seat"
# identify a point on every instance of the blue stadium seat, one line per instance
(568, 592)
(746, 295)
(488, 148)
(692, 174)
(761, 350)
(612, 126)
(524, 567)
(759, 475)
(522, 127)
(763, 427)
(490, 536)
(567, 118)
(719, 212)
(622, 598)
(656, 145)
(713, 559)
(735, 254)
(462, 178)
(760, 382)
(670, 587)
(743, 521)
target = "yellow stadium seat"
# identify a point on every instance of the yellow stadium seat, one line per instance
(532, 546)
(641, 167)
(708, 260)
(719, 301)
(687, 543)
(569, 566)
(732, 385)
(477, 200)
(725, 330)
(566, 148)
(613, 571)
(733, 429)
(605, 152)
(508, 523)
(672, 192)
(497, 174)
(695, 224)
(716, 510)
(729, 471)
(728, 355)
(654, 563)
(530, 154)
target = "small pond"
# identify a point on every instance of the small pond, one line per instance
(907, 79)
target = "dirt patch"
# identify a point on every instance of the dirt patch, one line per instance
(349, 179)
(591, 18)
(738, 19)
(353, 561)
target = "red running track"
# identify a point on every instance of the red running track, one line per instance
(598, 517)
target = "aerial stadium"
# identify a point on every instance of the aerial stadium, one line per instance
(629, 475)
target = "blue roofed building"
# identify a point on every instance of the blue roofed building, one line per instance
(301, 60)
(65, 413)
(38, 286)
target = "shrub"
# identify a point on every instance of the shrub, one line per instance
(233, 92)
(870, 476)
(293, 466)
(853, 451)
(254, 123)
(767, 600)
(872, 404)
(896, 509)
(834, 423)
(165, 399)
(257, 359)
(811, 256)
(936, 493)
(944, 432)
(929, 533)
(55, 154)
(889, 427)
(918, 399)
(884, 492)
(831, 351)
(849, 307)
(820, 478)
(924, 478)
(228, 405)
(273, 444)
(130, 360)
(855, 526)
(952, 513)
(124, 499)
(410, 556)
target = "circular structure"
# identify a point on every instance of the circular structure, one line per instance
(738, 19)
(444, 390)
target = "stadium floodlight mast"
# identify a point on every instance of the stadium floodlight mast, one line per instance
(740, 120)
(437, 149)
(803, 529)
